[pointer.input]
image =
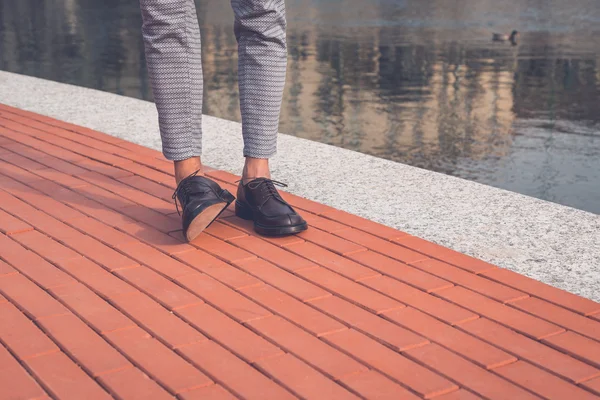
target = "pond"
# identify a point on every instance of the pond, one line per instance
(414, 81)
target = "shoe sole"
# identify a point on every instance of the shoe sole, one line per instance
(204, 219)
(248, 215)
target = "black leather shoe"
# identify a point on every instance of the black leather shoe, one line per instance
(259, 201)
(202, 201)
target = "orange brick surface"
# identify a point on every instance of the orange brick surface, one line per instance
(101, 297)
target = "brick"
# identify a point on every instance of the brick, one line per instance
(20, 335)
(307, 347)
(22, 162)
(299, 313)
(104, 169)
(55, 191)
(558, 315)
(301, 379)
(83, 344)
(15, 381)
(469, 280)
(225, 299)
(94, 276)
(213, 392)
(332, 261)
(46, 203)
(228, 218)
(351, 291)
(466, 374)
(445, 254)
(219, 270)
(331, 242)
(224, 232)
(25, 151)
(161, 164)
(546, 385)
(363, 224)
(33, 266)
(382, 246)
(30, 264)
(459, 395)
(530, 350)
(35, 302)
(6, 269)
(305, 204)
(324, 224)
(102, 213)
(282, 280)
(163, 324)
(592, 385)
(233, 373)
(529, 325)
(64, 379)
(230, 334)
(45, 246)
(153, 218)
(84, 244)
(25, 137)
(10, 225)
(373, 385)
(61, 178)
(372, 325)
(154, 259)
(221, 249)
(133, 384)
(17, 173)
(159, 240)
(577, 346)
(62, 166)
(157, 360)
(425, 302)
(471, 348)
(139, 149)
(91, 308)
(278, 256)
(101, 232)
(400, 271)
(158, 287)
(103, 196)
(131, 194)
(148, 173)
(100, 253)
(424, 382)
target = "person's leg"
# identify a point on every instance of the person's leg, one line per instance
(260, 29)
(173, 55)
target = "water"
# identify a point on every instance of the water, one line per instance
(414, 81)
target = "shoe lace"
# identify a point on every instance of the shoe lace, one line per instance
(184, 191)
(267, 186)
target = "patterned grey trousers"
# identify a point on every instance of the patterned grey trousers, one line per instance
(173, 54)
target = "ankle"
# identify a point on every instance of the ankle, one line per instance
(255, 168)
(185, 168)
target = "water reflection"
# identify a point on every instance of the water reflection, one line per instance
(414, 81)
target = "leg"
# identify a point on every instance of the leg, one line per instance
(173, 54)
(172, 42)
(260, 31)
